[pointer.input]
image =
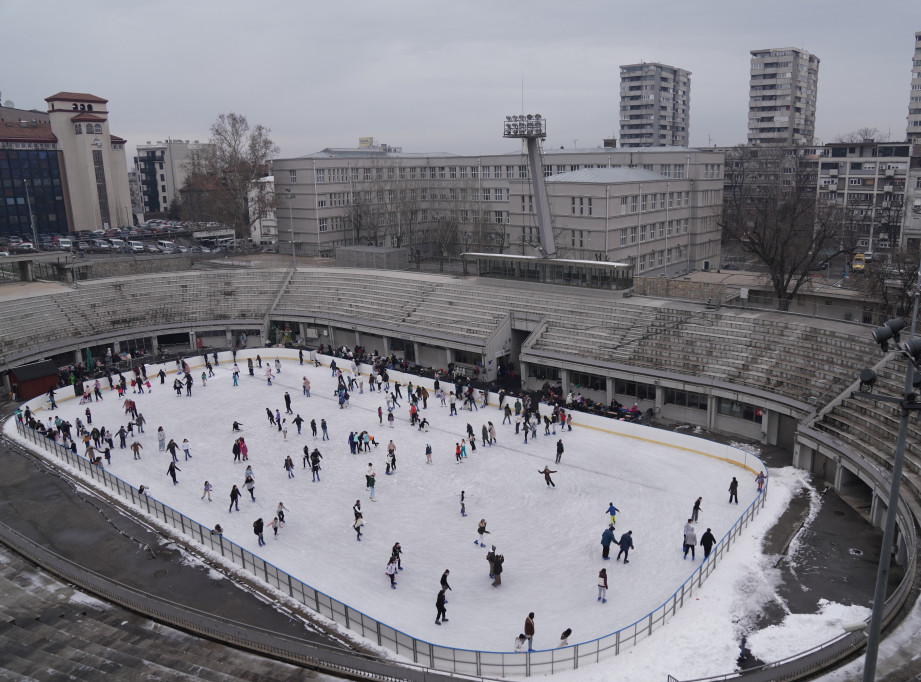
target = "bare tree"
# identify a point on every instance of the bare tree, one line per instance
(222, 178)
(771, 209)
(887, 285)
(861, 134)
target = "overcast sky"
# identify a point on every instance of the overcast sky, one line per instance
(435, 76)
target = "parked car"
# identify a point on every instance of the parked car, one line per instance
(200, 249)
(100, 246)
(83, 246)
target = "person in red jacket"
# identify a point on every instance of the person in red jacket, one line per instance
(529, 630)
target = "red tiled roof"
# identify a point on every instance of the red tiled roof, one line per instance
(12, 132)
(75, 97)
(88, 118)
(116, 138)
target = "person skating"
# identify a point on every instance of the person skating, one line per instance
(626, 544)
(288, 409)
(690, 542)
(440, 602)
(707, 541)
(276, 524)
(733, 491)
(306, 387)
(546, 471)
(172, 447)
(187, 449)
(529, 630)
(357, 524)
(396, 553)
(313, 428)
(234, 499)
(481, 532)
(271, 417)
(444, 582)
(491, 558)
(323, 429)
(463, 508)
(695, 512)
(315, 458)
(559, 450)
(298, 421)
(371, 480)
(172, 472)
(289, 466)
(356, 508)
(258, 527)
(250, 484)
(759, 480)
(391, 572)
(607, 537)
(428, 453)
(497, 568)
(519, 643)
(603, 586)
(206, 491)
(136, 449)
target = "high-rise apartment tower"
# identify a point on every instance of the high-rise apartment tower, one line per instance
(914, 103)
(782, 96)
(655, 105)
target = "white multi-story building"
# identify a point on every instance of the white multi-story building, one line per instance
(162, 169)
(782, 96)
(914, 103)
(657, 206)
(264, 229)
(655, 105)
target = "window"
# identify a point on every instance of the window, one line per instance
(321, 201)
(324, 224)
(367, 175)
(732, 408)
(623, 236)
(642, 263)
(486, 194)
(642, 233)
(623, 205)
(292, 176)
(522, 172)
(412, 173)
(500, 217)
(661, 231)
(463, 172)
(588, 206)
(633, 204)
(432, 173)
(452, 172)
(577, 238)
(442, 173)
(475, 172)
(696, 401)
(584, 380)
(98, 128)
(162, 177)
(660, 257)
(634, 389)
(509, 172)
(78, 128)
(633, 235)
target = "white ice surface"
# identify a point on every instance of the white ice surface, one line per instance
(550, 537)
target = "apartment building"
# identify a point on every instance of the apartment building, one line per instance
(870, 180)
(914, 103)
(444, 204)
(782, 96)
(655, 105)
(162, 171)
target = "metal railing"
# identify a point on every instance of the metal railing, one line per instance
(433, 656)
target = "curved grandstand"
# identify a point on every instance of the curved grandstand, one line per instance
(781, 378)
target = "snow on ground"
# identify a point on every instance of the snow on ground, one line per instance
(549, 536)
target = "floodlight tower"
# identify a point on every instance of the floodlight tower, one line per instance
(531, 128)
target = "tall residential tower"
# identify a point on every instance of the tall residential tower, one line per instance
(914, 104)
(655, 105)
(782, 96)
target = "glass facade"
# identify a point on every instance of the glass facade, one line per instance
(616, 276)
(39, 170)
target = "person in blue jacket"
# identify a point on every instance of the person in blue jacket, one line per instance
(607, 537)
(612, 510)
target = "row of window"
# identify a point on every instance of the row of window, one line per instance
(343, 175)
(91, 128)
(416, 194)
(334, 223)
(649, 232)
(653, 202)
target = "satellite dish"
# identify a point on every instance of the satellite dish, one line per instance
(9, 103)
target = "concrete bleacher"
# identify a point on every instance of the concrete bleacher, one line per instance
(105, 307)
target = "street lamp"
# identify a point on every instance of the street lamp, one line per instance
(291, 225)
(908, 403)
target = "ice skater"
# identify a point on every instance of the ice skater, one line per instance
(759, 480)
(695, 512)
(626, 544)
(391, 572)
(206, 491)
(603, 586)
(315, 458)
(444, 582)
(690, 541)
(463, 505)
(559, 450)
(258, 527)
(440, 602)
(357, 524)
(733, 491)
(280, 513)
(172, 472)
(607, 537)
(546, 471)
(481, 533)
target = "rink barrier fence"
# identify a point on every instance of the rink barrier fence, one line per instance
(441, 658)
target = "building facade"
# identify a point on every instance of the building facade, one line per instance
(162, 169)
(914, 102)
(869, 179)
(63, 170)
(655, 105)
(441, 205)
(264, 230)
(782, 97)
